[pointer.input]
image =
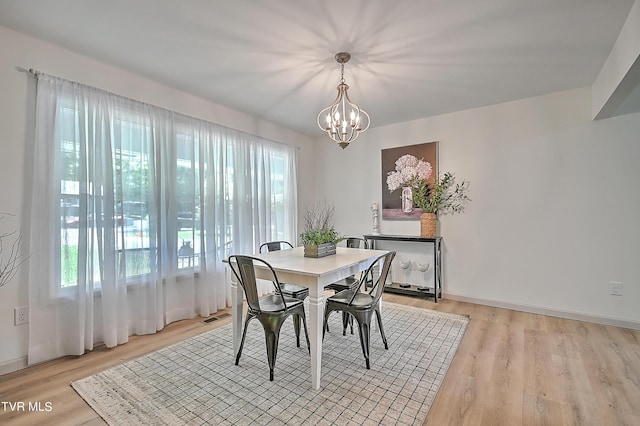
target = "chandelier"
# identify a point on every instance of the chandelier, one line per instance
(343, 126)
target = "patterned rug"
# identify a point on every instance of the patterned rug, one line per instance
(195, 382)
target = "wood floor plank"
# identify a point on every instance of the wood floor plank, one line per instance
(507, 381)
(511, 368)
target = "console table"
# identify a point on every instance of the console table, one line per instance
(414, 290)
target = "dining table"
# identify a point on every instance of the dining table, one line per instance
(291, 266)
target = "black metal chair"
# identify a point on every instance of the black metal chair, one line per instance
(287, 289)
(347, 283)
(362, 305)
(271, 310)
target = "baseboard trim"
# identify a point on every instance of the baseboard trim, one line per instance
(12, 365)
(578, 316)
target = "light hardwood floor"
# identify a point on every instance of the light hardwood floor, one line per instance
(512, 368)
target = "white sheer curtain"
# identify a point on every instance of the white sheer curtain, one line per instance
(133, 209)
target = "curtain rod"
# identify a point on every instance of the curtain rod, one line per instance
(36, 73)
(32, 71)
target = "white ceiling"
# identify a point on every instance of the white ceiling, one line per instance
(274, 59)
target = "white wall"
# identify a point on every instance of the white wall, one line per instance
(17, 91)
(554, 211)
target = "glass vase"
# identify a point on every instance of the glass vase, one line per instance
(407, 199)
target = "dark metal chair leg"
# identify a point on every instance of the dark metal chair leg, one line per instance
(296, 328)
(325, 325)
(346, 320)
(244, 335)
(306, 333)
(363, 328)
(384, 338)
(272, 350)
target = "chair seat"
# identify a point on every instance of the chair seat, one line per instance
(273, 302)
(360, 301)
(290, 290)
(347, 283)
(294, 291)
(344, 284)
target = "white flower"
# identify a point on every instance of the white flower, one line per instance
(409, 171)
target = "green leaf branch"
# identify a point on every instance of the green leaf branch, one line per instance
(445, 197)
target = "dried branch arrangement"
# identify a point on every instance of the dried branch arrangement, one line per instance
(10, 257)
(318, 227)
(318, 216)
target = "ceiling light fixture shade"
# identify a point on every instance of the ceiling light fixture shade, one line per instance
(343, 126)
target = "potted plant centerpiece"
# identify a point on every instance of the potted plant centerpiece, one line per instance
(445, 197)
(319, 237)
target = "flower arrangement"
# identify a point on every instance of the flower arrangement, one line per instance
(409, 172)
(443, 197)
(317, 225)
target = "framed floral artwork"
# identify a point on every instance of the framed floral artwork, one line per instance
(402, 168)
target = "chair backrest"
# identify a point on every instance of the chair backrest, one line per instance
(244, 269)
(377, 284)
(275, 246)
(357, 242)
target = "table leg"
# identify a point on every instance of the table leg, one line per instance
(236, 315)
(316, 313)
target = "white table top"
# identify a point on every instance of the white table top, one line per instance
(294, 261)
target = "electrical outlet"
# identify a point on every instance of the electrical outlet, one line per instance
(616, 288)
(21, 315)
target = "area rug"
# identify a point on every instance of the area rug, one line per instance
(196, 382)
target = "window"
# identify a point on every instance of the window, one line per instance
(118, 205)
(126, 190)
